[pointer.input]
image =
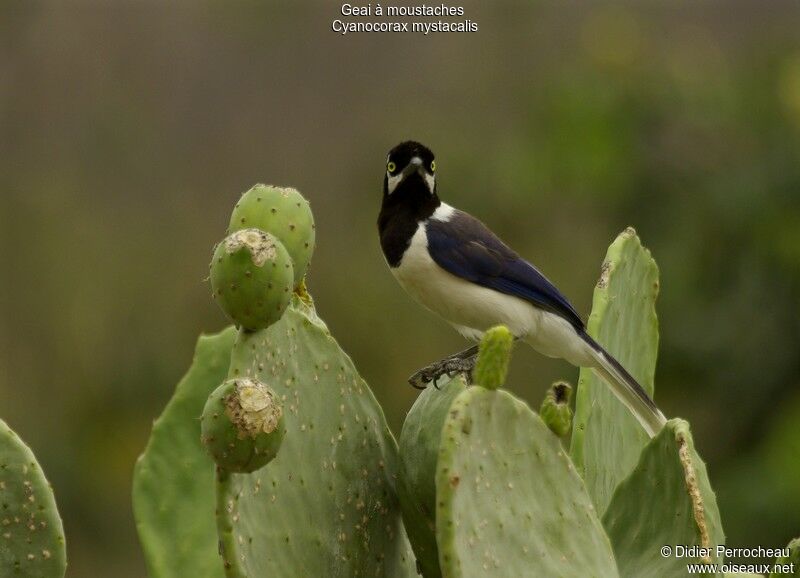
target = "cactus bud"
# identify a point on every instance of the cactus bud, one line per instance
(283, 212)
(242, 425)
(251, 278)
(494, 354)
(555, 411)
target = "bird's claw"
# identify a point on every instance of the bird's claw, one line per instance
(450, 367)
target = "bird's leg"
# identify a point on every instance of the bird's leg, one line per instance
(461, 362)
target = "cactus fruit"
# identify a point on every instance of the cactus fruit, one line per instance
(494, 355)
(31, 534)
(416, 484)
(252, 278)
(283, 212)
(509, 500)
(173, 483)
(326, 505)
(555, 411)
(666, 500)
(606, 438)
(242, 425)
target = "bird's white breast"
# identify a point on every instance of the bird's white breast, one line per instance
(469, 307)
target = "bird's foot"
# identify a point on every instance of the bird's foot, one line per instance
(460, 363)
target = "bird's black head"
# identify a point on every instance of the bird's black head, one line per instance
(409, 196)
(410, 174)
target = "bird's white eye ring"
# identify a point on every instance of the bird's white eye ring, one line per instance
(391, 167)
(433, 166)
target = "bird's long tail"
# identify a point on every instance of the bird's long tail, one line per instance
(626, 388)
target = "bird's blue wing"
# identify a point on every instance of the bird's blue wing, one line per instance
(465, 247)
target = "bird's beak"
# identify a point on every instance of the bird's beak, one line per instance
(415, 165)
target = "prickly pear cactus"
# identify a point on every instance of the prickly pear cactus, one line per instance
(242, 425)
(251, 278)
(606, 439)
(326, 505)
(283, 212)
(486, 488)
(31, 534)
(666, 500)
(416, 485)
(509, 500)
(173, 483)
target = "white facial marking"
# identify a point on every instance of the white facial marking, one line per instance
(392, 181)
(430, 180)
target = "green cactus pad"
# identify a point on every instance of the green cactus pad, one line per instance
(242, 425)
(283, 212)
(416, 487)
(555, 411)
(252, 278)
(606, 438)
(173, 483)
(326, 505)
(494, 355)
(666, 500)
(31, 534)
(792, 558)
(509, 500)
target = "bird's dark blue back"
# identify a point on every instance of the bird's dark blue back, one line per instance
(465, 247)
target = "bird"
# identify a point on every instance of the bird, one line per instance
(455, 266)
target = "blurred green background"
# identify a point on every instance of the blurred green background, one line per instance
(128, 130)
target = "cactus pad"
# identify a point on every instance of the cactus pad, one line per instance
(242, 425)
(326, 505)
(666, 500)
(416, 487)
(31, 534)
(509, 500)
(252, 278)
(283, 212)
(173, 483)
(607, 439)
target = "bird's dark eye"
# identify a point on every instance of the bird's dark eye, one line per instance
(391, 167)
(433, 166)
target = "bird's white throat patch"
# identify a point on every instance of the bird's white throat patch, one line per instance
(443, 213)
